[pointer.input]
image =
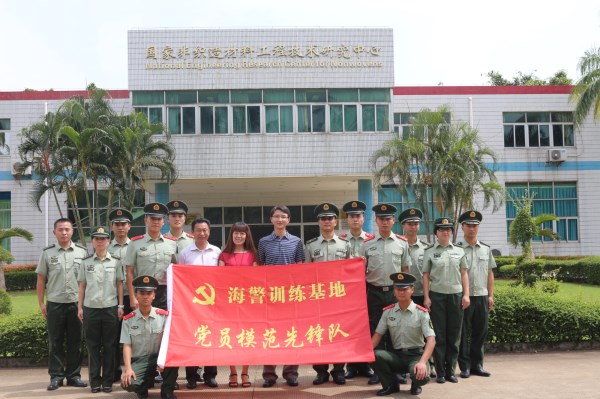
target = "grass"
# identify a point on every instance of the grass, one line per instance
(576, 292)
(24, 302)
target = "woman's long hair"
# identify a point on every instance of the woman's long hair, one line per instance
(248, 244)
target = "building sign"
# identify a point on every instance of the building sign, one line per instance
(298, 314)
(269, 58)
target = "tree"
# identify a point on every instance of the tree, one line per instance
(560, 78)
(525, 227)
(5, 256)
(442, 165)
(586, 93)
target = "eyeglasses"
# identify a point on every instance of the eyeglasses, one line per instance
(327, 218)
(282, 217)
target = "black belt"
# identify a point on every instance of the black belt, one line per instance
(407, 349)
(383, 288)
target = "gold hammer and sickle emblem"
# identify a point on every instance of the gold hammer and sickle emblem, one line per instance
(208, 299)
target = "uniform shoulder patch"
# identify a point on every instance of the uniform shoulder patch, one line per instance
(401, 237)
(425, 243)
(168, 237)
(162, 312)
(389, 306)
(189, 235)
(368, 238)
(430, 246)
(87, 257)
(49, 246)
(423, 308)
(459, 244)
(483, 243)
(137, 238)
(343, 235)
(129, 316)
(115, 256)
(81, 246)
(343, 238)
(312, 240)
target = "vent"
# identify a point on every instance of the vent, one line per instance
(557, 155)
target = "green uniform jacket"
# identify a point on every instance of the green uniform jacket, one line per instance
(101, 276)
(61, 267)
(384, 257)
(321, 250)
(151, 257)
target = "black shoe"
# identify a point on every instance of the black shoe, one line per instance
(142, 394)
(339, 379)
(440, 380)
(415, 390)
(96, 389)
(432, 374)
(401, 378)
(366, 373)
(465, 374)
(176, 386)
(373, 380)
(158, 379)
(191, 384)
(107, 389)
(452, 379)
(389, 390)
(76, 382)
(293, 382)
(481, 372)
(54, 384)
(167, 395)
(321, 378)
(268, 383)
(351, 373)
(211, 382)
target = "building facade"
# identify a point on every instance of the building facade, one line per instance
(267, 116)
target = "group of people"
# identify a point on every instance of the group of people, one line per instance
(120, 291)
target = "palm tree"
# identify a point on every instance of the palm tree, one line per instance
(5, 256)
(442, 164)
(586, 93)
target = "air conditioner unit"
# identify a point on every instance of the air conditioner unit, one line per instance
(557, 155)
(26, 172)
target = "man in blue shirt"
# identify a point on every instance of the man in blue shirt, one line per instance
(280, 248)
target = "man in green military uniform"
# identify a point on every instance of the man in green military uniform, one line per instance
(407, 324)
(120, 224)
(446, 292)
(100, 307)
(328, 246)
(481, 264)
(141, 336)
(151, 254)
(59, 266)
(177, 214)
(385, 254)
(355, 217)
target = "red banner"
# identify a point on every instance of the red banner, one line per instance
(295, 314)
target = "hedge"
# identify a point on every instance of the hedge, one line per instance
(24, 336)
(583, 270)
(524, 315)
(21, 280)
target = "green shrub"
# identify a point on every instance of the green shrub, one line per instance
(24, 336)
(549, 286)
(523, 315)
(507, 271)
(19, 268)
(20, 280)
(5, 303)
(505, 260)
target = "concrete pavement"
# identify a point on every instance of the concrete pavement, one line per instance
(549, 375)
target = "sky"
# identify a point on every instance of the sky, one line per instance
(67, 44)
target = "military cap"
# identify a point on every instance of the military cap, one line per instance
(442, 222)
(177, 207)
(410, 215)
(384, 210)
(120, 215)
(326, 209)
(145, 283)
(100, 232)
(155, 209)
(354, 207)
(470, 217)
(403, 279)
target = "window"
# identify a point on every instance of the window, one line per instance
(279, 118)
(559, 199)
(538, 129)
(148, 98)
(404, 123)
(182, 120)
(154, 114)
(391, 195)
(311, 118)
(246, 119)
(375, 118)
(5, 215)
(213, 120)
(343, 118)
(4, 124)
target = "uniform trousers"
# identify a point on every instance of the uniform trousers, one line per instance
(447, 318)
(474, 332)
(126, 310)
(388, 363)
(289, 372)
(338, 369)
(144, 368)
(64, 323)
(101, 331)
